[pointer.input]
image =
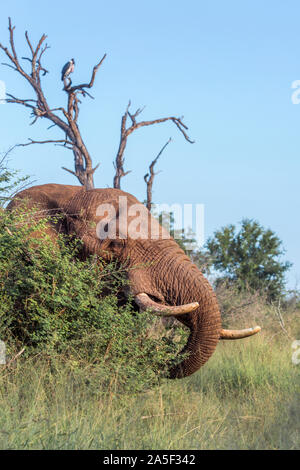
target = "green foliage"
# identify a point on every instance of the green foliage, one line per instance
(185, 239)
(10, 183)
(68, 309)
(250, 257)
(245, 397)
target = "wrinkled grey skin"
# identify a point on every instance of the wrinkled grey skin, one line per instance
(163, 271)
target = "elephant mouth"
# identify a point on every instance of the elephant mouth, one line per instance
(149, 302)
(146, 302)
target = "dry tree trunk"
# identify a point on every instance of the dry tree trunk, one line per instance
(40, 108)
(67, 118)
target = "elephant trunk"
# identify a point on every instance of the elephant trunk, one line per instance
(178, 282)
(204, 325)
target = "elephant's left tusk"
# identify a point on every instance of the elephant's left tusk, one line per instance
(144, 302)
(239, 334)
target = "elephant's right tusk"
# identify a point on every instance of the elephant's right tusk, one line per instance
(144, 302)
(239, 334)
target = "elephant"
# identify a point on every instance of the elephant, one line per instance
(113, 224)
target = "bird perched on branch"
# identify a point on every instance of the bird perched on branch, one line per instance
(67, 69)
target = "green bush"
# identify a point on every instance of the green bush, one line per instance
(68, 311)
(10, 181)
(250, 258)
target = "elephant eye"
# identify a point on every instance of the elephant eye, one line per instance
(117, 244)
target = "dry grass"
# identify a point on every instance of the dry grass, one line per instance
(245, 397)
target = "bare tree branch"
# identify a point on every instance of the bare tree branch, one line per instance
(39, 63)
(29, 43)
(82, 160)
(9, 65)
(40, 109)
(70, 171)
(126, 131)
(149, 177)
(91, 83)
(68, 121)
(61, 141)
(13, 359)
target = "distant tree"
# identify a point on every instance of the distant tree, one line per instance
(202, 259)
(186, 239)
(250, 257)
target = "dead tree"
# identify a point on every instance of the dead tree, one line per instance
(40, 108)
(67, 118)
(149, 177)
(126, 131)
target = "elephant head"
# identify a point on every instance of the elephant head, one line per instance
(113, 224)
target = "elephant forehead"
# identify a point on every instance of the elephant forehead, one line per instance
(87, 202)
(116, 214)
(124, 221)
(96, 196)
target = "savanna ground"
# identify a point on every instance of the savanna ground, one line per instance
(245, 397)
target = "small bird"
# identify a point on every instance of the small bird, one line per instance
(67, 69)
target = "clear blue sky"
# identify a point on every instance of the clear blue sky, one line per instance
(226, 66)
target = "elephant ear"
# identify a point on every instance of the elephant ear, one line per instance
(38, 205)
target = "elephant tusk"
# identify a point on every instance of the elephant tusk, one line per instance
(239, 334)
(144, 302)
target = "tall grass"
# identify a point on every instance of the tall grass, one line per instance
(90, 375)
(245, 397)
